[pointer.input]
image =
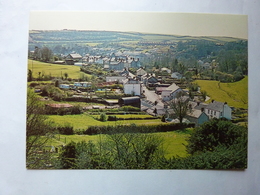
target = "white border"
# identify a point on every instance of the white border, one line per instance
(15, 179)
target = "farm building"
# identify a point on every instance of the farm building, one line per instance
(130, 101)
(73, 58)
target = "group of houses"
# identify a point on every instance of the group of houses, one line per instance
(111, 62)
(197, 113)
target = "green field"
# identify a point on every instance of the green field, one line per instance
(54, 70)
(173, 141)
(83, 121)
(235, 94)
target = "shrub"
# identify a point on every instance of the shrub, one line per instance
(103, 117)
(66, 130)
(112, 118)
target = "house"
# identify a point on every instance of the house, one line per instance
(166, 70)
(198, 117)
(176, 75)
(170, 92)
(130, 101)
(116, 65)
(73, 58)
(133, 87)
(141, 72)
(218, 110)
(151, 81)
(119, 79)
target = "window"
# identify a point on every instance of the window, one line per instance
(214, 112)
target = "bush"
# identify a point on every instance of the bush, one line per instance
(66, 130)
(103, 117)
(112, 118)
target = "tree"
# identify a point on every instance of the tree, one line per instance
(204, 95)
(180, 105)
(66, 75)
(46, 54)
(29, 77)
(213, 134)
(103, 117)
(38, 131)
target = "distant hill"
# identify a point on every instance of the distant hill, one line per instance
(61, 37)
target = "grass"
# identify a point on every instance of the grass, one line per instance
(83, 121)
(173, 141)
(235, 94)
(55, 70)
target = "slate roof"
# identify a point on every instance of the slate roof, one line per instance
(173, 87)
(75, 56)
(216, 106)
(195, 113)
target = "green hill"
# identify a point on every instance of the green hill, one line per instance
(235, 94)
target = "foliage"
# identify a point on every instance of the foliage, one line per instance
(68, 155)
(93, 130)
(103, 117)
(180, 106)
(129, 108)
(38, 131)
(67, 129)
(214, 133)
(118, 150)
(53, 92)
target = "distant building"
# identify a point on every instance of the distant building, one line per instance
(119, 79)
(73, 58)
(176, 75)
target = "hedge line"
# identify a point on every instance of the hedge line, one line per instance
(93, 130)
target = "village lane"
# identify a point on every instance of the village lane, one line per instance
(152, 96)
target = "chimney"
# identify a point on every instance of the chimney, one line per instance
(202, 110)
(212, 101)
(198, 103)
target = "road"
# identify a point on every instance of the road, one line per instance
(152, 96)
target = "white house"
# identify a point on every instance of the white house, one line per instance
(218, 110)
(170, 92)
(133, 87)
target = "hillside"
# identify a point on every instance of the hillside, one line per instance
(235, 94)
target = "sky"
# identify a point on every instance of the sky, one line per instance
(146, 22)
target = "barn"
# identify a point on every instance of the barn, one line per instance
(130, 101)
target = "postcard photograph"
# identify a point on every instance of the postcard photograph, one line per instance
(137, 90)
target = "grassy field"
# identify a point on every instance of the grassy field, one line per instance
(173, 141)
(235, 94)
(83, 121)
(54, 70)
